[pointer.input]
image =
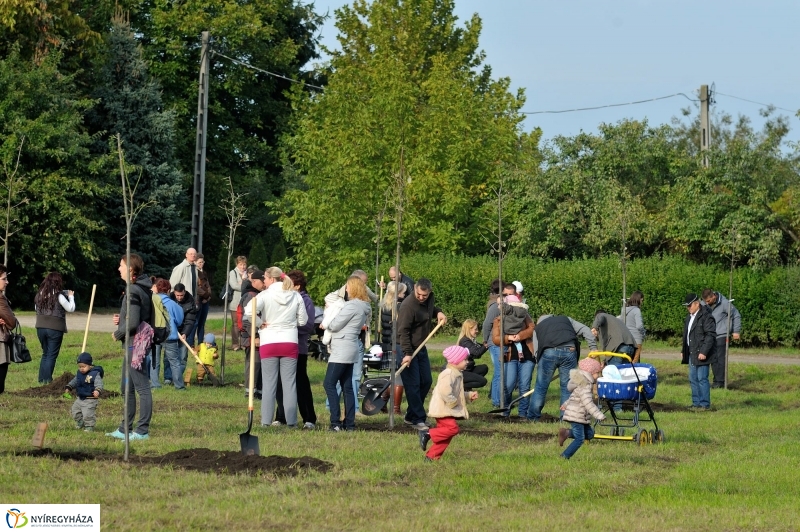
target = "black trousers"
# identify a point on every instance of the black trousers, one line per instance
(476, 377)
(305, 399)
(3, 373)
(718, 362)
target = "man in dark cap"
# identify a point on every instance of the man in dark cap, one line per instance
(699, 349)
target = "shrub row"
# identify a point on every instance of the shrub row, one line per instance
(768, 301)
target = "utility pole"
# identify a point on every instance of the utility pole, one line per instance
(199, 192)
(705, 122)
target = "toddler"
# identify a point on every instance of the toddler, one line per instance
(88, 383)
(207, 353)
(580, 408)
(447, 403)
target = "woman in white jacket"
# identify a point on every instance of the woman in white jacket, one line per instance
(344, 352)
(280, 310)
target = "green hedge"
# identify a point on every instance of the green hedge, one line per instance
(769, 301)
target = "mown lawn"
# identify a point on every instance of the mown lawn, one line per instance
(735, 468)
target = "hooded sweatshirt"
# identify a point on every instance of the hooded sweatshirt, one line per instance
(141, 306)
(283, 311)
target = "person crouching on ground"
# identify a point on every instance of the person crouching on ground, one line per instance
(447, 403)
(207, 353)
(88, 383)
(580, 408)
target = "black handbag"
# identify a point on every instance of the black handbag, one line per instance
(17, 346)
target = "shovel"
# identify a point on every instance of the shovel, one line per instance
(374, 399)
(249, 442)
(214, 379)
(507, 410)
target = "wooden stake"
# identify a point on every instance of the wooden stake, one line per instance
(38, 436)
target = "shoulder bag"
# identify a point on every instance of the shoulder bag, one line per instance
(17, 346)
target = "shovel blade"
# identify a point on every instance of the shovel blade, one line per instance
(372, 404)
(249, 444)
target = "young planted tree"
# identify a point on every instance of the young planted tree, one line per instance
(235, 213)
(12, 183)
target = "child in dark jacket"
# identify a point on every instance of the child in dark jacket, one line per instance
(88, 383)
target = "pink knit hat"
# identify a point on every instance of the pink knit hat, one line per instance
(590, 365)
(512, 299)
(455, 354)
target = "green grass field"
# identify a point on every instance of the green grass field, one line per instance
(735, 468)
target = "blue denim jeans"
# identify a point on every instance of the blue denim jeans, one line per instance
(358, 367)
(494, 352)
(157, 352)
(51, 345)
(562, 359)
(701, 388)
(172, 354)
(518, 375)
(626, 349)
(580, 432)
(342, 375)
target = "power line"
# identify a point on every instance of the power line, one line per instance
(609, 105)
(758, 103)
(247, 65)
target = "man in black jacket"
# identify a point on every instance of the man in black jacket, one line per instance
(186, 301)
(413, 326)
(699, 348)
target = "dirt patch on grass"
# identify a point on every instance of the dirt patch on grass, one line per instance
(57, 387)
(203, 460)
(526, 436)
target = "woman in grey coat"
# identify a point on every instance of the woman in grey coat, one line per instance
(344, 352)
(235, 278)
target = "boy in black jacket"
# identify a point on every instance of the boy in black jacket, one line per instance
(88, 384)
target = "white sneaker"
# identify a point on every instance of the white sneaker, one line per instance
(309, 426)
(276, 423)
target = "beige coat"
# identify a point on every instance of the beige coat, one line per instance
(448, 398)
(580, 407)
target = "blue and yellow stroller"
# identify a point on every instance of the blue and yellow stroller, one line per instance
(635, 386)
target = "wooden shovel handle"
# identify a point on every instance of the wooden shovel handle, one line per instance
(252, 354)
(88, 318)
(425, 341)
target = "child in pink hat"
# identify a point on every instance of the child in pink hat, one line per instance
(580, 408)
(448, 403)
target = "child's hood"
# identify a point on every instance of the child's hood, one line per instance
(99, 370)
(578, 377)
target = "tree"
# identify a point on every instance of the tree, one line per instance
(248, 109)
(407, 89)
(130, 104)
(55, 230)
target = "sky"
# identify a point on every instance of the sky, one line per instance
(581, 53)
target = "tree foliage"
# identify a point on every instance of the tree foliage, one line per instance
(406, 96)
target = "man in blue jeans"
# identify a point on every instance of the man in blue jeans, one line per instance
(414, 321)
(699, 349)
(494, 350)
(557, 347)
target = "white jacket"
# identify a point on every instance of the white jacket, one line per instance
(282, 310)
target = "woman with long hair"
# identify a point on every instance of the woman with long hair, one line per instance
(395, 294)
(52, 303)
(7, 322)
(280, 311)
(474, 374)
(345, 350)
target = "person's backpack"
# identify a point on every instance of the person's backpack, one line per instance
(160, 323)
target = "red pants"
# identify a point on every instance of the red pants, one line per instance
(446, 429)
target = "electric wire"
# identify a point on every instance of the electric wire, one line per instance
(757, 103)
(609, 105)
(247, 65)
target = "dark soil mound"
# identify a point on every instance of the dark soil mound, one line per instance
(205, 460)
(57, 387)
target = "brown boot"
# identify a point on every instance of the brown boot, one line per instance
(398, 398)
(563, 434)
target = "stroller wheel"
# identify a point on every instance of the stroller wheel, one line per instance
(660, 436)
(652, 436)
(641, 437)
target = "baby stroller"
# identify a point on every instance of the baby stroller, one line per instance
(316, 348)
(633, 385)
(376, 361)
